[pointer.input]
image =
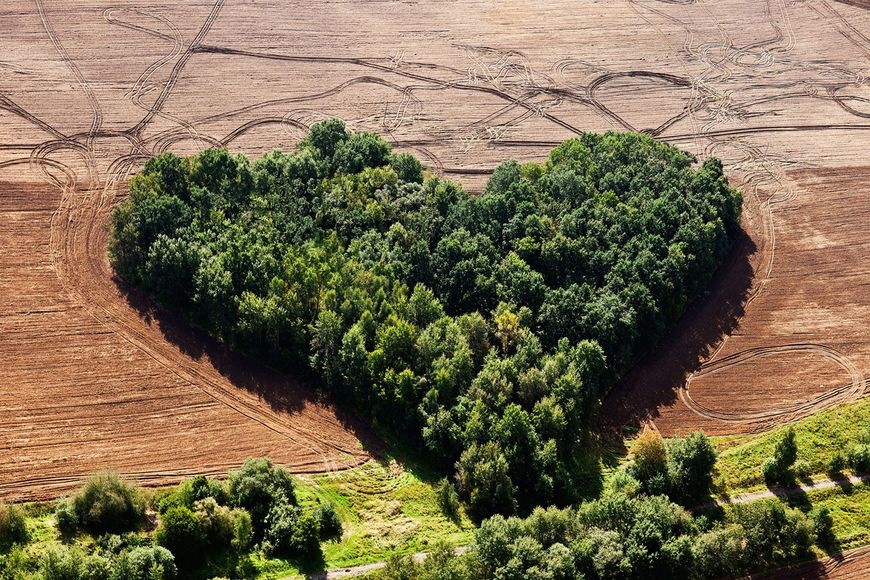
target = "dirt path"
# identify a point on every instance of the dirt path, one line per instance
(778, 491)
(351, 571)
(834, 567)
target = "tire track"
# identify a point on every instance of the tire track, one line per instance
(97, 120)
(77, 245)
(157, 107)
(852, 391)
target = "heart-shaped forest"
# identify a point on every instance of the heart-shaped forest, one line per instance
(479, 329)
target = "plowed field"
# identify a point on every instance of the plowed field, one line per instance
(93, 376)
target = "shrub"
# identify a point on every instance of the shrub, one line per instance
(13, 526)
(108, 505)
(859, 458)
(801, 469)
(448, 499)
(400, 567)
(601, 553)
(291, 533)
(690, 467)
(65, 517)
(774, 533)
(718, 552)
(14, 562)
(623, 481)
(145, 563)
(649, 459)
(257, 487)
(225, 529)
(549, 526)
(327, 518)
(60, 563)
(95, 567)
(115, 544)
(191, 491)
(182, 534)
(210, 533)
(838, 463)
(823, 525)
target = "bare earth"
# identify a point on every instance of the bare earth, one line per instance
(93, 377)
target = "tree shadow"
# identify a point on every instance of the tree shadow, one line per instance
(790, 493)
(842, 480)
(804, 478)
(831, 546)
(282, 392)
(654, 381)
(312, 567)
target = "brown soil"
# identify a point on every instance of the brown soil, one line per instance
(795, 334)
(95, 380)
(95, 377)
(852, 565)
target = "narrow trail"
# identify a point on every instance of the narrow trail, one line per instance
(785, 492)
(822, 484)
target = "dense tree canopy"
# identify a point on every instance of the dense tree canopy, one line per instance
(484, 328)
(623, 534)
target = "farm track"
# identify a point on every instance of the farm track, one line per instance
(784, 105)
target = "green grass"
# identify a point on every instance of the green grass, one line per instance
(42, 534)
(385, 508)
(818, 437)
(850, 508)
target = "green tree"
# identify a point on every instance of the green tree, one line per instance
(778, 469)
(106, 504)
(328, 520)
(326, 340)
(359, 151)
(774, 533)
(326, 136)
(407, 167)
(448, 499)
(292, 532)
(650, 461)
(257, 487)
(483, 476)
(690, 465)
(13, 526)
(182, 533)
